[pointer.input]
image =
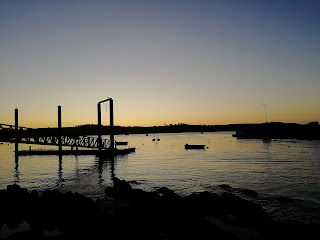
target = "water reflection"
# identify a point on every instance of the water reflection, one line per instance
(60, 170)
(103, 164)
(16, 169)
(282, 167)
(89, 179)
(112, 167)
(100, 169)
(267, 146)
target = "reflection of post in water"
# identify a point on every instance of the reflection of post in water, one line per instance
(100, 170)
(267, 146)
(101, 162)
(16, 169)
(112, 167)
(60, 169)
(77, 166)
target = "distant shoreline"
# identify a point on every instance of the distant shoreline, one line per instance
(265, 131)
(278, 130)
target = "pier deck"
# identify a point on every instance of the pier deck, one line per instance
(105, 152)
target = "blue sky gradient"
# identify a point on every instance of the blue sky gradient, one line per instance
(196, 62)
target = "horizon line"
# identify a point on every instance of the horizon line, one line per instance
(186, 124)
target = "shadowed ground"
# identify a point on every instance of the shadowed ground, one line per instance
(127, 213)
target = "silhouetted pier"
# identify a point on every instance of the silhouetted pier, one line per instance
(34, 136)
(79, 145)
(105, 152)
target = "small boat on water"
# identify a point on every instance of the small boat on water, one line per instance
(155, 138)
(194, 146)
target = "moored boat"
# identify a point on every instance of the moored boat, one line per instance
(194, 146)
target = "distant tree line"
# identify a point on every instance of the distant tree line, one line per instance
(273, 129)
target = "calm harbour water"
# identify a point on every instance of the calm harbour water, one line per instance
(284, 173)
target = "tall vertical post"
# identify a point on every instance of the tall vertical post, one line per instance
(265, 111)
(16, 127)
(111, 127)
(99, 128)
(59, 130)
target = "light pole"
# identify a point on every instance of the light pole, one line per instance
(265, 111)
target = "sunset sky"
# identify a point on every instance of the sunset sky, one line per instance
(166, 61)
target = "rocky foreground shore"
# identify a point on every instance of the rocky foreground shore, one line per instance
(128, 213)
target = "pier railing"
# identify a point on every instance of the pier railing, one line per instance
(8, 133)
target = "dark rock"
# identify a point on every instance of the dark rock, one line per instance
(14, 188)
(249, 192)
(225, 186)
(109, 190)
(165, 191)
(142, 215)
(133, 182)
(248, 211)
(204, 203)
(121, 187)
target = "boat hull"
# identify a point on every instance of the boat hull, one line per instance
(194, 146)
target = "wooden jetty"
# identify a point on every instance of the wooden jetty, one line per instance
(118, 143)
(80, 145)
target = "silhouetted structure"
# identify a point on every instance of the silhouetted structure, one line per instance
(111, 124)
(60, 137)
(277, 130)
(194, 146)
(59, 129)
